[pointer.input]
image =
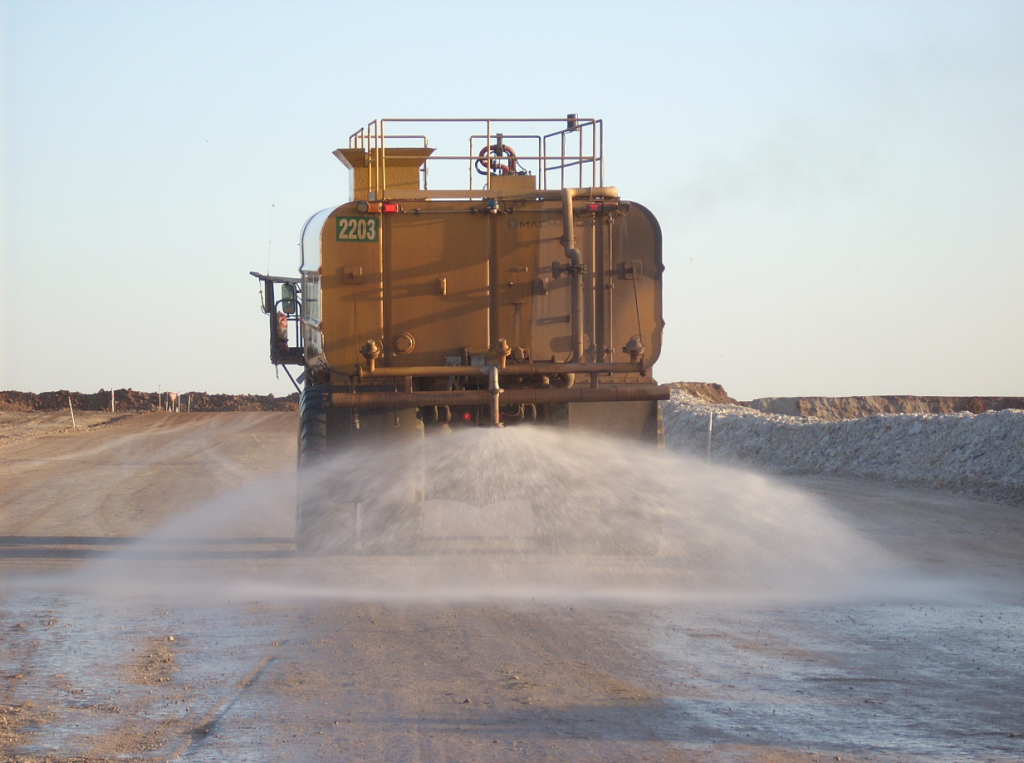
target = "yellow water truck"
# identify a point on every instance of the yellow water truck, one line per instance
(532, 294)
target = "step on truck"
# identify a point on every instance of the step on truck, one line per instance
(525, 292)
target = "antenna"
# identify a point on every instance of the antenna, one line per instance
(270, 235)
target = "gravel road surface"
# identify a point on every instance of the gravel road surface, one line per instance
(153, 608)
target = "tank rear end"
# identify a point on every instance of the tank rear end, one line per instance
(413, 295)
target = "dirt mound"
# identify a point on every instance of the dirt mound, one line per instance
(841, 408)
(126, 400)
(977, 453)
(707, 391)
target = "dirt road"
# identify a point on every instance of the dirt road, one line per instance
(153, 609)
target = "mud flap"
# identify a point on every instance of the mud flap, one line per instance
(640, 421)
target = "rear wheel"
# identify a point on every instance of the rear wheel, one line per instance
(312, 426)
(311, 508)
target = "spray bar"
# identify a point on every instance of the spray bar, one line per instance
(617, 394)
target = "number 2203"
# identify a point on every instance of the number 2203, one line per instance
(357, 228)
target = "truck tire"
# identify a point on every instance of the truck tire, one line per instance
(311, 508)
(312, 426)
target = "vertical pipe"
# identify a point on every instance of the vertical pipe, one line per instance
(494, 389)
(590, 293)
(493, 282)
(600, 337)
(71, 408)
(610, 292)
(385, 260)
(576, 260)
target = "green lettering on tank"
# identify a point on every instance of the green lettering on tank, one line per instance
(364, 229)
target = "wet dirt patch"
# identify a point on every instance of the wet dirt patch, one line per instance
(17, 722)
(117, 680)
(933, 682)
(563, 683)
(155, 664)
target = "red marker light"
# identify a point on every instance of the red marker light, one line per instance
(467, 416)
(389, 207)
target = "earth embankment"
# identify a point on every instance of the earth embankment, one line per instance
(976, 453)
(709, 392)
(840, 408)
(854, 407)
(130, 400)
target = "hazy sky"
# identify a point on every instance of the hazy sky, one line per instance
(840, 185)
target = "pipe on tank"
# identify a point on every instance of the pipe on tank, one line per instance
(494, 390)
(611, 394)
(587, 192)
(575, 272)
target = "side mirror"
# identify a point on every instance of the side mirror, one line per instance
(288, 298)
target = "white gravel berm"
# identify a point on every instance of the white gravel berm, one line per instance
(981, 454)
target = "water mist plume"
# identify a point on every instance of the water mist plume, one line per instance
(520, 512)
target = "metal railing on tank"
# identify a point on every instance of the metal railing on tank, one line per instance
(572, 156)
